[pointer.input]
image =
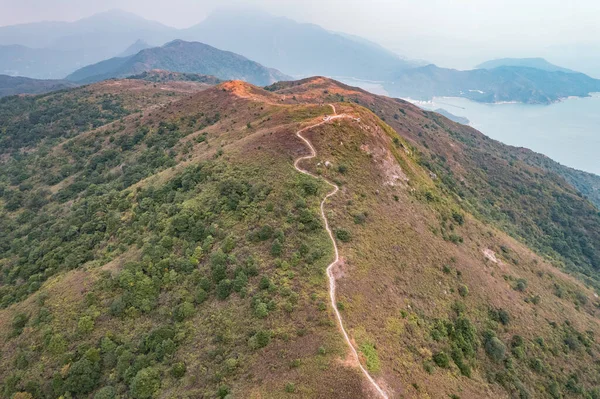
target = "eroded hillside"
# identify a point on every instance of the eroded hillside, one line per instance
(171, 249)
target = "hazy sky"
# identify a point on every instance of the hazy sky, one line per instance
(450, 32)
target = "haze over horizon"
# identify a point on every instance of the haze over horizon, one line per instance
(437, 31)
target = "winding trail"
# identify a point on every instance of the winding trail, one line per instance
(330, 275)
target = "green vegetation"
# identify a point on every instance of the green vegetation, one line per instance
(179, 253)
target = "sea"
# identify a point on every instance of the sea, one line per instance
(567, 131)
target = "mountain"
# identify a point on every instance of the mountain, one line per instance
(518, 84)
(537, 63)
(158, 240)
(106, 30)
(11, 85)
(55, 49)
(180, 56)
(135, 48)
(296, 48)
(299, 49)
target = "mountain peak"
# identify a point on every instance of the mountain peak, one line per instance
(184, 57)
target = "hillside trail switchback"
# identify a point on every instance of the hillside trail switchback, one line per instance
(330, 275)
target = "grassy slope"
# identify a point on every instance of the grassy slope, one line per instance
(493, 181)
(412, 247)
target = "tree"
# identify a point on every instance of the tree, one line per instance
(83, 376)
(224, 289)
(240, 281)
(107, 392)
(145, 383)
(85, 325)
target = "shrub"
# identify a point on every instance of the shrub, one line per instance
(183, 311)
(260, 339)
(57, 344)
(428, 367)
(371, 356)
(500, 315)
(459, 360)
(458, 217)
(19, 322)
(290, 387)
(554, 390)
(276, 247)
(201, 296)
(463, 290)
(261, 310)
(145, 383)
(264, 283)
(178, 370)
(343, 235)
(441, 359)
(495, 349)
(342, 168)
(223, 391)
(536, 365)
(521, 285)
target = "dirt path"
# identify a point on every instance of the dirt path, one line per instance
(330, 275)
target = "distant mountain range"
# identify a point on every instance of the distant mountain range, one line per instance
(501, 84)
(11, 85)
(295, 48)
(537, 63)
(118, 44)
(55, 49)
(181, 56)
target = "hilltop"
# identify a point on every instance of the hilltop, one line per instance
(161, 243)
(184, 57)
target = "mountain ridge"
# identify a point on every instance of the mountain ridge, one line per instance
(181, 56)
(159, 238)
